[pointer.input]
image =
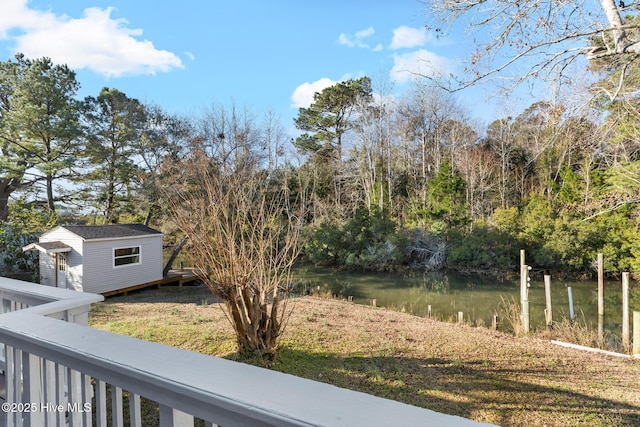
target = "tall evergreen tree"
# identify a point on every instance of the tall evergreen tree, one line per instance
(115, 123)
(329, 117)
(12, 160)
(40, 125)
(325, 124)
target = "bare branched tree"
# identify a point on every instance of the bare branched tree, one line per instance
(546, 36)
(243, 228)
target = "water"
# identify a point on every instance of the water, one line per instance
(477, 297)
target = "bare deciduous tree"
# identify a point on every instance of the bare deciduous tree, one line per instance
(243, 232)
(548, 36)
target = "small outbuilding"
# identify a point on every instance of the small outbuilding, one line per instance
(99, 258)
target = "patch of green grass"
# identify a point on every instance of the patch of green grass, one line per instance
(200, 319)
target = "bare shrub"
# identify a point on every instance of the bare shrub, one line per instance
(243, 229)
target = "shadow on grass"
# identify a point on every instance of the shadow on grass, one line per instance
(196, 294)
(473, 390)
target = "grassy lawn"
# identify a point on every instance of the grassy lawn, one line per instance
(456, 369)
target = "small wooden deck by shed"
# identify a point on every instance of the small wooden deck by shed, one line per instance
(175, 277)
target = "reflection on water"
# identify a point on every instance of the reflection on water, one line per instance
(479, 298)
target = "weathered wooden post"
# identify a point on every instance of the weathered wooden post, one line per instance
(625, 312)
(460, 317)
(636, 334)
(494, 322)
(524, 297)
(600, 299)
(374, 302)
(548, 312)
(523, 280)
(570, 295)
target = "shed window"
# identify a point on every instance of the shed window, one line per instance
(124, 256)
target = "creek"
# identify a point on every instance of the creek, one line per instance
(478, 297)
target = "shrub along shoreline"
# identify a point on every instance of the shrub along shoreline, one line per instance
(456, 369)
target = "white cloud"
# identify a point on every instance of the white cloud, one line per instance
(357, 40)
(343, 39)
(303, 95)
(420, 63)
(407, 37)
(14, 11)
(365, 33)
(95, 41)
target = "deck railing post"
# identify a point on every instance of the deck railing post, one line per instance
(135, 414)
(32, 389)
(101, 404)
(117, 416)
(170, 417)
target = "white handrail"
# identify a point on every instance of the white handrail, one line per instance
(213, 389)
(34, 295)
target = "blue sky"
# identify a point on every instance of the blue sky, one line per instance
(264, 55)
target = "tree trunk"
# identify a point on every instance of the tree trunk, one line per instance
(4, 205)
(50, 201)
(7, 186)
(174, 255)
(613, 16)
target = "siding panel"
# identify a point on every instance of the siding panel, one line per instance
(101, 276)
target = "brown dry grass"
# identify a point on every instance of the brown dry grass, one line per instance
(456, 369)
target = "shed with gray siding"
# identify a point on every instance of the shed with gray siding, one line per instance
(99, 258)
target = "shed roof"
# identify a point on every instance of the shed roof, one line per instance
(48, 247)
(91, 232)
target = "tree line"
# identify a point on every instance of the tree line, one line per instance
(384, 180)
(414, 180)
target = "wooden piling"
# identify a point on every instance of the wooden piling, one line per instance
(523, 283)
(494, 322)
(636, 334)
(625, 312)
(523, 278)
(460, 317)
(600, 299)
(524, 298)
(374, 302)
(548, 312)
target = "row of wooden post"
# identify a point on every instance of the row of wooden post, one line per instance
(626, 338)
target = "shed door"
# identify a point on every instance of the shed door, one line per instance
(62, 271)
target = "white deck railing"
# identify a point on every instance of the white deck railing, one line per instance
(60, 373)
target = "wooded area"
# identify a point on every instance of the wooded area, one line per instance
(384, 179)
